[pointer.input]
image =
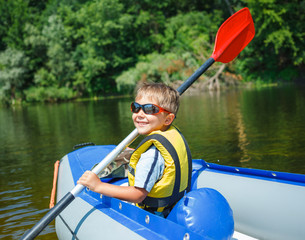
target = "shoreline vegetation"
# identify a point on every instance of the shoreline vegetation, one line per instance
(195, 89)
(54, 50)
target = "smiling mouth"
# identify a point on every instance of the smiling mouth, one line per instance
(142, 123)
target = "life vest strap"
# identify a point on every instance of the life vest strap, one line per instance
(162, 202)
(164, 210)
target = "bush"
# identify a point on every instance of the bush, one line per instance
(165, 68)
(48, 94)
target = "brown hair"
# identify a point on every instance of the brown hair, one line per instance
(165, 96)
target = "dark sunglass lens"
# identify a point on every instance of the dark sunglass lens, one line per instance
(155, 109)
(135, 107)
(151, 109)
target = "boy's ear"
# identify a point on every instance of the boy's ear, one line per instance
(169, 119)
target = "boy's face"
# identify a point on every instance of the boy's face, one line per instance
(146, 123)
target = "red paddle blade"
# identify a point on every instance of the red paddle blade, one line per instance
(233, 36)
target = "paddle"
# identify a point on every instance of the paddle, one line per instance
(232, 37)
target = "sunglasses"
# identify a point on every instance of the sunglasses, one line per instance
(150, 109)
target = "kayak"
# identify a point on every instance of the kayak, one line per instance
(224, 203)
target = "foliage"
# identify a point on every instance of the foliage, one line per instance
(194, 31)
(185, 43)
(62, 49)
(156, 68)
(59, 61)
(13, 15)
(12, 71)
(100, 52)
(50, 94)
(277, 51)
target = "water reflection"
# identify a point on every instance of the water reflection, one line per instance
(250, 128)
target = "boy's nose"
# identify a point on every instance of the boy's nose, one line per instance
(141, 112)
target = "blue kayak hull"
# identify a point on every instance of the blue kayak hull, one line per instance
(265, 204)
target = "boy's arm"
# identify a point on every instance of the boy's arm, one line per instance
(126, 193)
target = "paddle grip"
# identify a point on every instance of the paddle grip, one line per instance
(49, 217)
(195, 75)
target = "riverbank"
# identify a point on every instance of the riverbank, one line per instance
(197, 88)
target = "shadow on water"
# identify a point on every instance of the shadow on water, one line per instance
(250, 128)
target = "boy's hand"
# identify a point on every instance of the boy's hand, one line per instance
(89, 180)
(126, 193)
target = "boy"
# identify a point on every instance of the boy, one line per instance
(160, 167)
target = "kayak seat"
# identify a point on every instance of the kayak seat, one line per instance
(206, 212)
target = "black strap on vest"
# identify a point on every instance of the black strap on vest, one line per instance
(176, 195)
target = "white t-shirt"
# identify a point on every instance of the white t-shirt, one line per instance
(149, 169)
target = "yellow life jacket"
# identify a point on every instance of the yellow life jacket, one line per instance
(176, 179)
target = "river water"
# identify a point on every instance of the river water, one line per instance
(255, 128)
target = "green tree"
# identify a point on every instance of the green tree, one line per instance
(12, 18)
(277, 51)
(60, 61)
(55, 76)
(102, 49)
(12, 74)
(187, 42)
